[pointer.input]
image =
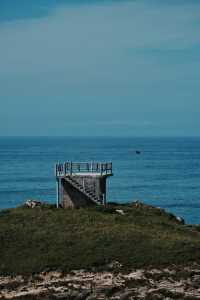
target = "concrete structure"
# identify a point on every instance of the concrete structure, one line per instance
(81, 184)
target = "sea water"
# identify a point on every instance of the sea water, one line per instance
(166, 173)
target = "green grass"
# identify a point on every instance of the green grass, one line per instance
(46, 238)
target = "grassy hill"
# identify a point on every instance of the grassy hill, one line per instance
(46, 238)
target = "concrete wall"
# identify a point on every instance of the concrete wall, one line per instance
(73, 198)
(96, 184)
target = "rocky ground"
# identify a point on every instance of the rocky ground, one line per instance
(175, 283)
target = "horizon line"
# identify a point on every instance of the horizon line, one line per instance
(99, 136)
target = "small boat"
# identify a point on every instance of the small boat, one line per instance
(138, 152)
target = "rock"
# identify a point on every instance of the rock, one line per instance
(61, 296)
(114, 265)
(83, 295)
(125, 295)
(72, 294)
(137, 203)
(32, 203)
(180, 220)
(137, 284)
(120, 212)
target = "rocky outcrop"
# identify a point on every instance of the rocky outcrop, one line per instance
(155, 284)
(120, 212)
(32, 203)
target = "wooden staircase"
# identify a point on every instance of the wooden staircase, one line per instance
(84, 190)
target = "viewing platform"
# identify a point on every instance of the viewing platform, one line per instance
(83, 168)
(82, 184)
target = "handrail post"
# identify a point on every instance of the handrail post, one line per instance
(65, 169)
(71, 168)
(83, 183)
(58, 192)
(55, 170)
(62, 169)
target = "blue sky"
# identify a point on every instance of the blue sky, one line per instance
(118, 68)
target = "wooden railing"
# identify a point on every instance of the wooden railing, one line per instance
(69, 168)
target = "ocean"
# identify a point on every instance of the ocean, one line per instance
(166, 173)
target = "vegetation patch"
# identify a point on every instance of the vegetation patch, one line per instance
(47, 238)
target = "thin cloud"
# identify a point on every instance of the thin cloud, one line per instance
(130, 60)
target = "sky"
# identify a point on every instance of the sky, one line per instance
(99, 68)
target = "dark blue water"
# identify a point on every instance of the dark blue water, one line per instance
(166, 174)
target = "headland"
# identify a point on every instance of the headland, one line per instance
(113, 250)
